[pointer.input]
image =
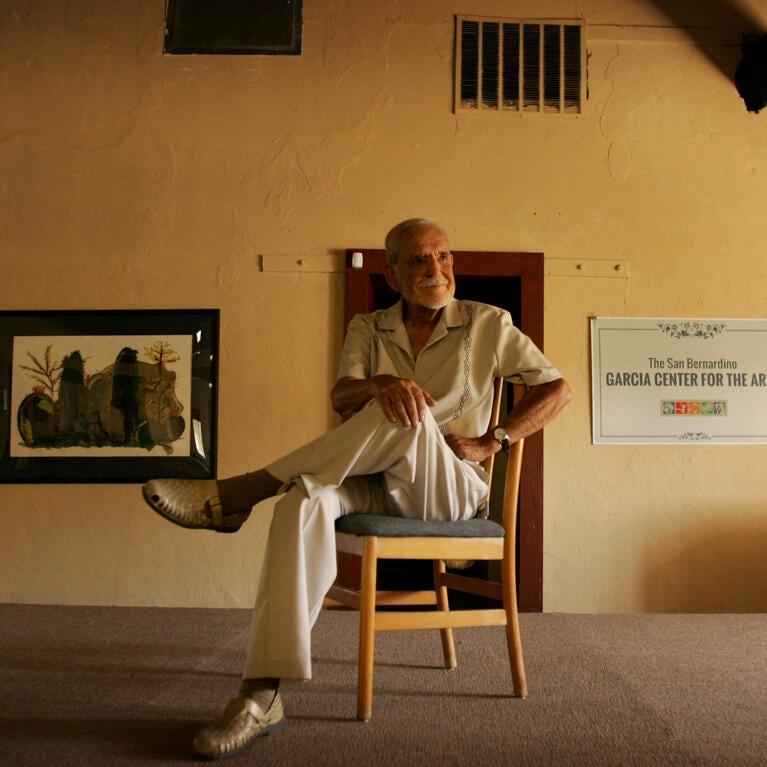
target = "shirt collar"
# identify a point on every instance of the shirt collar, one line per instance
(391, 318)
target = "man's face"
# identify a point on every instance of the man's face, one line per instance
(423, 273)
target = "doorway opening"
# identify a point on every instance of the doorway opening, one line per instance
(512, 281)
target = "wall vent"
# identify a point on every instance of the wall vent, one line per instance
(233, 27)
(519, 66)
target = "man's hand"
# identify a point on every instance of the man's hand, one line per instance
(473, 448)
(401, 399)
(536, 408)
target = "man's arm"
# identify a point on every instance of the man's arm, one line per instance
(539, 406)
(401, 399)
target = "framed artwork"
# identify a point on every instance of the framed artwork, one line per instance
(108, 396)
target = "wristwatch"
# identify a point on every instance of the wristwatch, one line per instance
(502, 436)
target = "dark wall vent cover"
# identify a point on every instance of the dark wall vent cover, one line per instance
(233, 26)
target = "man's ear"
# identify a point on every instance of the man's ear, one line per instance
(391, 277)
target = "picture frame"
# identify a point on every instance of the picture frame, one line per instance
(108, 396)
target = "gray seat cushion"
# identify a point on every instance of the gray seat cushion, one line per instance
(399, 527)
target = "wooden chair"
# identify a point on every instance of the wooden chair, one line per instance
(373, 538)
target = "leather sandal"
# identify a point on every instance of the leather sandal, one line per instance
(242, 722)
(192, 503)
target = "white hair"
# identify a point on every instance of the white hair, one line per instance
(394, 237)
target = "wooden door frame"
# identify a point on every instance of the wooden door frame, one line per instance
(528, 268)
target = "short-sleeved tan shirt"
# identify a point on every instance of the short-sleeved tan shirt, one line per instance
(472, 344)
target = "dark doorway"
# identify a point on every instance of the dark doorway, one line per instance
(513, 281)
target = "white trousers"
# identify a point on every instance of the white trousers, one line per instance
(366, 465)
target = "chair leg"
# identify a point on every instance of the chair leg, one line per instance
(516, 659)
(513, 637)
(367, 631)
(448, 643)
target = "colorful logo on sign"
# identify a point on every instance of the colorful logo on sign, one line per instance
(693, 407)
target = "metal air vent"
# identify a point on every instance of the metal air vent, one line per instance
(519, 66)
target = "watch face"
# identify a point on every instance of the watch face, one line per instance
(499, 433)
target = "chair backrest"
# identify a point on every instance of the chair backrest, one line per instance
(511, 486)
(514, 458)
(495, 413)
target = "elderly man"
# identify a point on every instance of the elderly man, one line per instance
(414, 390)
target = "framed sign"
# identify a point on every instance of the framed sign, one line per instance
(108, 396)
(678, 381)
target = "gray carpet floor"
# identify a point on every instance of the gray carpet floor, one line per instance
(129, 686)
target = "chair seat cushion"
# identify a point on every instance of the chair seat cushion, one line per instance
(399, 527)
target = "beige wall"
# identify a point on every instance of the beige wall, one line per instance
(132, 179)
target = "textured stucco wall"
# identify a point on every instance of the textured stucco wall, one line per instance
(132, 179)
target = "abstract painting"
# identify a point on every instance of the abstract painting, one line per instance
(129, 396)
